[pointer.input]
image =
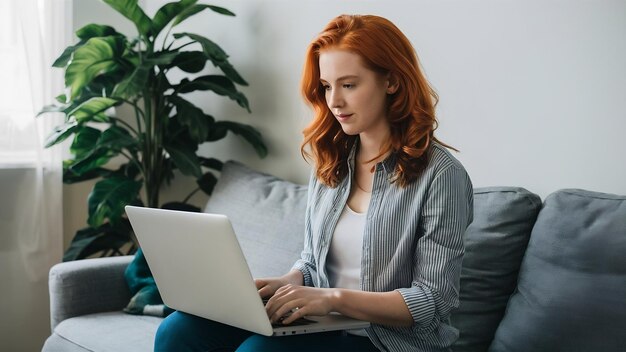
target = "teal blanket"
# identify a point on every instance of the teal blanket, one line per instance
(146, 299)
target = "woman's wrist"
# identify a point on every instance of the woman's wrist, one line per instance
(336, 299)
(293, 277)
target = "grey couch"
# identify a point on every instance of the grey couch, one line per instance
(536, 276)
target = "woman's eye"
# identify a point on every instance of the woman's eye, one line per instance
(326, 87)
(348, 85)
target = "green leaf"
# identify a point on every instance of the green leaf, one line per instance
(196, 121)
(93, 30)
(207, 182)
(216, 132)
(208, 46)
(116, 138)
(61, 133)
(94, 149)
(91, 161)
(82, 239)
(61, 99)
(84, 148)
(98, 55)
(132, 11)
(230, 72)
(85, 33)
(198, 8)
(185, 159)
(190, 61)
(85, 140)
(53, 108)
(108, 199)
(103, 85)
(217, 55)
(89, 241)
(219, 84)
(65, 57)
(93, 109)
(162, 58)
(132, 85)
(167, 13)
(212, 163)
(220, 10)
(249, 133)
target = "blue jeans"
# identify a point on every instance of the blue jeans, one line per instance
(185, 332)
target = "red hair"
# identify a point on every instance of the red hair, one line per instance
(410, 110)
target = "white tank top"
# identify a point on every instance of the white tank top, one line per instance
(343, 263)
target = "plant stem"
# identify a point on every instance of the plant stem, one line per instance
(191, 194)
(126, 124)
(134, 161)
(165, 39)
(138, 119)
(182, 46)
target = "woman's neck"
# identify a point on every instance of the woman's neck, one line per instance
(370, 146)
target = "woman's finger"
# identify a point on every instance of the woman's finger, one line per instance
(297, 313)
(288, 308)
(265, 291)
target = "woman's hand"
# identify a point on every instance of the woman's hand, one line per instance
(301, 301)
(268, 286)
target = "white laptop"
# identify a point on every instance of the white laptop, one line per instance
(199, 269)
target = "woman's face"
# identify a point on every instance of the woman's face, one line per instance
(355, 94)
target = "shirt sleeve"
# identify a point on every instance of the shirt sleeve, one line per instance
(306, 264)
(447, 212)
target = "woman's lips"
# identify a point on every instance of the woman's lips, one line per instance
(343, 117)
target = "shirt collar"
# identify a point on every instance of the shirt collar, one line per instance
(388, 165)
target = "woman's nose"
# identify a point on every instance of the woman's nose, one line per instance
(335, 100)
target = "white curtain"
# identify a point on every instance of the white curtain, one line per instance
(31, 228)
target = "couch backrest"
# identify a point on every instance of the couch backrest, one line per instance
(267, 214)
(571, 294)
(494, 246)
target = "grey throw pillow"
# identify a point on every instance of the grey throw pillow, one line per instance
(571, 294)
(267, 214)
(494, 246)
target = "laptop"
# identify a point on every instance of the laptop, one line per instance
(199, 268)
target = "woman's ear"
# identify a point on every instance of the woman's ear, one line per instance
(392, 83)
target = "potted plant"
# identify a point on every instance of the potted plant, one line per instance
(106, 69)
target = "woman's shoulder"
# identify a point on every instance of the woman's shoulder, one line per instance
(441, 159)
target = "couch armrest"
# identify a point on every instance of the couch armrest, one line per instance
(87, 286)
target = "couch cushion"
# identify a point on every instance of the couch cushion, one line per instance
(267, 214)
(572, 283)
(104, 332)
(494, 246)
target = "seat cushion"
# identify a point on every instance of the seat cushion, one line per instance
(104, 332)
(494, 246)
(267, 214)
(571, 294)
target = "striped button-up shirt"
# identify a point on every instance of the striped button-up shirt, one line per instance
(412, 243)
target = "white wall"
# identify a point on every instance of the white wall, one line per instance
(532, 92)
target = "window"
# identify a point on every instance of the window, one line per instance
(17, 122)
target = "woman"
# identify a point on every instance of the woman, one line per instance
(387, 207)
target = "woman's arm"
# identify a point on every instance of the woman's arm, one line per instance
(387, 308)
